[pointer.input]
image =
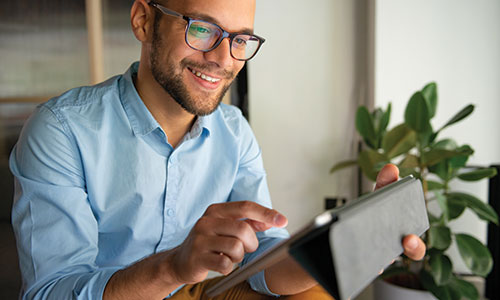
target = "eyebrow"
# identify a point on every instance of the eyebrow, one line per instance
(210, 19)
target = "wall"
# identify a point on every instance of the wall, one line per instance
(456, 44)
(303, 95)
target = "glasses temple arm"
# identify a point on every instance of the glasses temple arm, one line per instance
(165, 10)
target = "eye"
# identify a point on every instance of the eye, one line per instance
(240, 41)
(200, 30)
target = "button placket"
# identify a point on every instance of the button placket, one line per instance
(171, 194)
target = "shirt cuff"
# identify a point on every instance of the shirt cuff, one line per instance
(88, 285)
(258, 281)
(102, 279)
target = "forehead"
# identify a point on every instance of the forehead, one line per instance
(232, 15)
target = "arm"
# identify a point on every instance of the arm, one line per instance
(220, 238)
(55, 228)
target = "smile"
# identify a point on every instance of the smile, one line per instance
(204, 76)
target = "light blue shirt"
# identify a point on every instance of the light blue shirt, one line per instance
(98, 186)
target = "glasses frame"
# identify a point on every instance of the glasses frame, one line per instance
(225, 34)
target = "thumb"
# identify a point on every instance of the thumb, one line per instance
(388, 174)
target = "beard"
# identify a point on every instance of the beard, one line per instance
(174, 85)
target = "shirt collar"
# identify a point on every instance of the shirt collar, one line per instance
(141, 119)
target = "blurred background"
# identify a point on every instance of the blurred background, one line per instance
(320, 61)
(46, 48)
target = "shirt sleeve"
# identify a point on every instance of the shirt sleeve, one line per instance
(251, 184)
(55, 228)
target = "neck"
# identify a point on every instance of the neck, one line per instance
(173, 119)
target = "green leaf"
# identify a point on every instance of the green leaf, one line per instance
(440, 292)
(447, 168)
(384, 120)
(367, 160)
(393, 271)
(434, 185)
(433, 251)
(433, 220)
(378, 166)
(430, 95)
(425, 138)
(459, 161)
(399, 140)
(454, 288)
(439, 237)
(455, 295)
(342, 165)
(417, 114)
(403, 172)
(376, 117)
(455, 207)
(442, 170)
(434, 156)
(410, 161)
(459, 116)
(478, 174)
(446, 144)
(474, 254)
(466, 289)
(365, 126)
(483, 210)
(441, 268)
(433, 136)
(441, 199)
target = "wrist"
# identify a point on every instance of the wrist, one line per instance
(165, 269)
(150, 278)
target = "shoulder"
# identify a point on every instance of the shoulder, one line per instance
(235, 130)
(230, 118)
(84, 98)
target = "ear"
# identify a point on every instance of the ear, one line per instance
(142, 19)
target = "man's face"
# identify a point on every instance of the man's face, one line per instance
(179, 69)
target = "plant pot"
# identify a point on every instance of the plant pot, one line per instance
(383, 290)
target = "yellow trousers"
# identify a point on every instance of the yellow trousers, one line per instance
(243, 291)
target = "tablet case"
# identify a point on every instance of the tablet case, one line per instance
(364, 239)
(344, 249)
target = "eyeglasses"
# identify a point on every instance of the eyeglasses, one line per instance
(206, 36)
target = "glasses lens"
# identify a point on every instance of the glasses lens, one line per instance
(202, 35)
(244, 46)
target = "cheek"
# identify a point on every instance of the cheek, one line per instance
(172, 48)
(238, 65)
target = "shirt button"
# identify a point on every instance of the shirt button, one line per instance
(170, 212)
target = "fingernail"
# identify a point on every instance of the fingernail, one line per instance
(280, 220)
(412, 244)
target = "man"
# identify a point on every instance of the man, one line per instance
(137, 187)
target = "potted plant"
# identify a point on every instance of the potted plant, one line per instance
(414, 146)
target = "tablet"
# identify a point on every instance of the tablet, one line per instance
(345, 248)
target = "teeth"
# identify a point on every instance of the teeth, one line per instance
(205, 77)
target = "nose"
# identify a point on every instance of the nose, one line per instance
(221, 55)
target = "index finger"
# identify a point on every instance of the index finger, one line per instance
(247, 210)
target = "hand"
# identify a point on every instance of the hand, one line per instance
(220, 238)
(413, 246)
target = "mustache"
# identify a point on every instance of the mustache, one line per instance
(209, 68)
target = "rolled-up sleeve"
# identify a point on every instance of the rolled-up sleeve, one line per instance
(251, 184)
(55, 227)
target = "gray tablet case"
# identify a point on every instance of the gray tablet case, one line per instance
(344, 249)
